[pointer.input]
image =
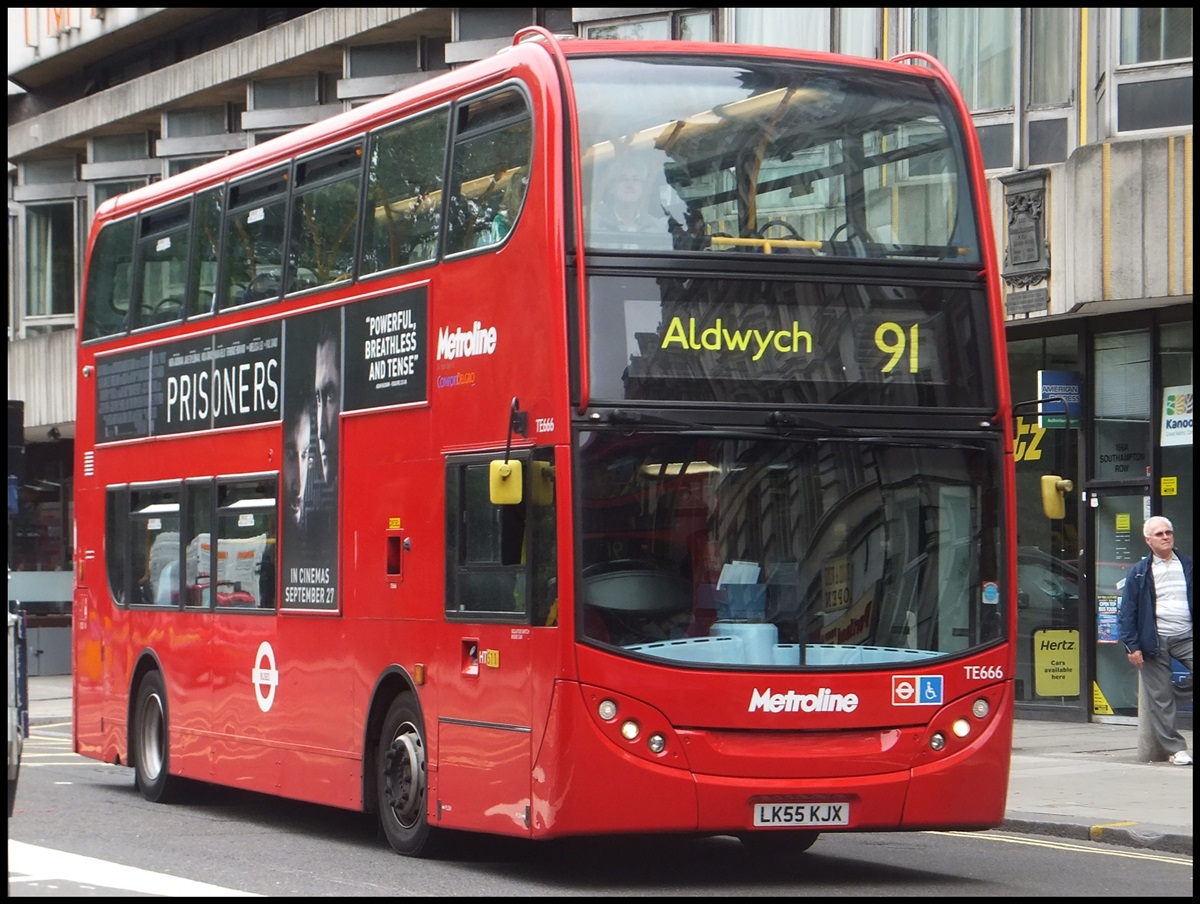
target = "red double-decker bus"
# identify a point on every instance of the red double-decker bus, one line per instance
(601, 437)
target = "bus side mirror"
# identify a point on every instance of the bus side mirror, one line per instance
(504, 482)
(1054, 491)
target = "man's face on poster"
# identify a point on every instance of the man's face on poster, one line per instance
(327, 386)
(303, 441)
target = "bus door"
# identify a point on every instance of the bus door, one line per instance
(500, 648)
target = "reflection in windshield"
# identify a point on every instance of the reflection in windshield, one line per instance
(766, 156)
(784, 552)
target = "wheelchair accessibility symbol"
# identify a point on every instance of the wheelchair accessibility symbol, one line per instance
(916, 690)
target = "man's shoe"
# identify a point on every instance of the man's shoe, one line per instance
(1181, 758)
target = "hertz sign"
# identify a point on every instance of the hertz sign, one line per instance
(1056, 662)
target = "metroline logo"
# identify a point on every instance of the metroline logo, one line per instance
(823, 701)
(461, 343)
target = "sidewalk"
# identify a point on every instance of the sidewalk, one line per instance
(1069, 779)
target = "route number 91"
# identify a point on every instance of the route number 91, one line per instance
(890, 339)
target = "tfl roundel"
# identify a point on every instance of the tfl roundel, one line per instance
(917, 690)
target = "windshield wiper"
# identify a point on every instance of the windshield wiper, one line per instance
(783, 422)
(631, 416)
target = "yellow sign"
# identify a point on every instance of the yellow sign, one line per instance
(393, 524)
(1123, 522)
(1170, 486)
(1056, 662)
(1099, 702)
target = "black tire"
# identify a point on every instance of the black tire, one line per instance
(12, 796)
(149, 745)
(401, 781)
(776, 843)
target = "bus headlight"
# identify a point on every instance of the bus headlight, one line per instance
(630, 730)
(656, 742)
(607, 710)
(961, 728)
(980, 708)
(937, 740)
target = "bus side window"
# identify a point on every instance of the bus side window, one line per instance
(325, 219)
(252, 246)
(267, 575)
(154, 517)
(199, 565)
(162, 262)
(542, 555)
(164, 559)
(117, 543)
(485, 554)
(109, 281)
(405, 167)
(247, 528)
(206, 252)
(492, 151)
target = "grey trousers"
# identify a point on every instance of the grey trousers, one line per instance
(1157, 700)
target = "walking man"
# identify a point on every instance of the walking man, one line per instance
(1156, 624)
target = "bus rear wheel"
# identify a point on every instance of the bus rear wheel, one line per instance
(149, 745)
(402, 781)
(778, 843)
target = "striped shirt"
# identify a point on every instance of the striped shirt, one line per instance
(1170, 593)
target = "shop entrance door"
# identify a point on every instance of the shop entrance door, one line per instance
(1117, 544)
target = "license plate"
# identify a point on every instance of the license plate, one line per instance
(780, 815)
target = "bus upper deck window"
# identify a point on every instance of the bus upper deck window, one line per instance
(492, 151)
(405, 167)
(252, 250)
(325, 219)
(162, 263)
(109, 281)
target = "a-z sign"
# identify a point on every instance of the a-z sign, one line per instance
(1027, 444)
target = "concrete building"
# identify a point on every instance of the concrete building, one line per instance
(1084, 116)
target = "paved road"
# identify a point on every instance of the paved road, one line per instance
(1078, 780)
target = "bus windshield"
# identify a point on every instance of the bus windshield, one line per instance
(784, 552)
(762, 155)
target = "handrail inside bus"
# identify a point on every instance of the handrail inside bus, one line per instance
(472, 190)
(767, 244)
(539, 33)
(928, 59)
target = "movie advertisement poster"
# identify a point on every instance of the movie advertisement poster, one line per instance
(228, 379)
(312, 406)
(385, 350)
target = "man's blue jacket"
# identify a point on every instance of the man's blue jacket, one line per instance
(1137, 614)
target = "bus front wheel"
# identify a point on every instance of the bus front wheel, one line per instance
(149, 742)
(402, 781)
